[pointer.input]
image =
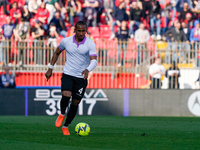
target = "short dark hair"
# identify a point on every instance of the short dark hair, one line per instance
(81, 23)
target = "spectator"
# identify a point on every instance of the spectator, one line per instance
(165, 13)
(91, 12)
(154, 14)
(135, 16)
(194, 39)
(195, 32)
(119, 16)
(186, 13)
(175, 36)
(42, 15)
(100, 10)
(21, 33)
(20, 3)
(74, 9)
(53, 35)
(7, 80)
(141, 37)
(7, 28)
(156, 72)
(15, 13)
(38, 31)
(177, 6)
(108, 6)
(33, 5)
(196, 8)
(3, 2)
(127, 7)
(71, 31)
(52, 6)
(173, 73)
(38, 35)
(145, 5)
(60, 24)
(26, 15)
(186, 29)
(122, 36)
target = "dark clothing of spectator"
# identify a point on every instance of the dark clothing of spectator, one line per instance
(3, 2)
(60, 24)
(155, 9)
(27, 17)
(173, 80)
(37, 32)
(135, 14)
(187, 32)
(155, 83)
(8, 30)
(175, 35)
(120, 14)
(5, 79)
(146, 4)
(122, 35)
(185, 14)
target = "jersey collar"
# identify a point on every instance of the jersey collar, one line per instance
(82, 42)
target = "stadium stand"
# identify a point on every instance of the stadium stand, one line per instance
(107, 48)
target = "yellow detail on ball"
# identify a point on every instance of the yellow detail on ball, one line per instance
(82, 129)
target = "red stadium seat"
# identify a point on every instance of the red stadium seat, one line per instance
(105, 31)
(2, 19)
(32, 22)
(163, 22)
(94, 31)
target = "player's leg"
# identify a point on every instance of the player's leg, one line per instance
(72, 112)
(66, 88)
(77, 94)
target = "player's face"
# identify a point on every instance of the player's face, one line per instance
(80, 31)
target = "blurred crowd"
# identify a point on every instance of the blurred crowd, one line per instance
(171, 20)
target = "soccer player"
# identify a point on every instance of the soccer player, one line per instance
(81, 58)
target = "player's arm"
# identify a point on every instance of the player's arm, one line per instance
(92, 65)
(56, 54)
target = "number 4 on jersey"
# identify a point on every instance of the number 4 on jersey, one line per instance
(80, 90)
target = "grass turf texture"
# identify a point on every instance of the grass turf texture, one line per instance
(39, 132)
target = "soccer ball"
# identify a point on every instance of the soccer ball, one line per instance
(82, 129)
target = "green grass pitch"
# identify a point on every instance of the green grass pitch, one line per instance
(107, 132)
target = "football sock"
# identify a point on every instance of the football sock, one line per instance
(64, 103)
(71, 114)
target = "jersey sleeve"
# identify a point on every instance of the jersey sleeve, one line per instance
(92, 51)
(62, 46)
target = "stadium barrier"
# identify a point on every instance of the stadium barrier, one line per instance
(116, 102)
(120, 64)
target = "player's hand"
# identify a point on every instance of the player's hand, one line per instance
(85, 72)
(48, 74)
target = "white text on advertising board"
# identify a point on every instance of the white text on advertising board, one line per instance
(52, 98)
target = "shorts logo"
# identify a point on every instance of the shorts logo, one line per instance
(194, 103)
(80, 90)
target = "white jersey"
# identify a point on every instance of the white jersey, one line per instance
(155, 67)
(77, 55)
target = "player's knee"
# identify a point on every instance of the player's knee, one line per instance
(75, 102)
(66, 93)
(65, 98)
